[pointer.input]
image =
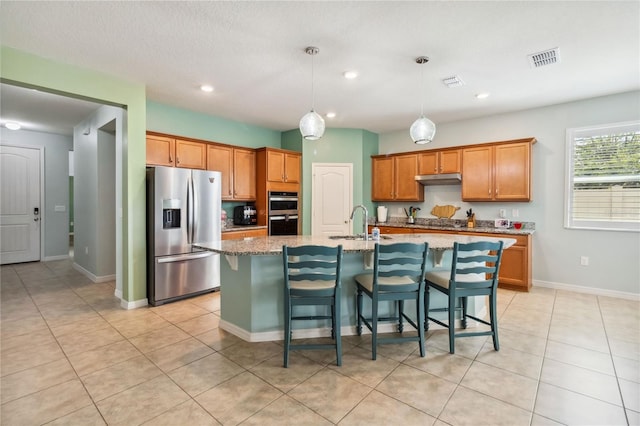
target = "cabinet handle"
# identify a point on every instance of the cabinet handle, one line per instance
(170, 159)
(177, 160)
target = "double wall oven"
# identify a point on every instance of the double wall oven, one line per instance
(283, 213)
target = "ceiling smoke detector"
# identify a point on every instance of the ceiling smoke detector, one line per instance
(453, 81)
(546, 57)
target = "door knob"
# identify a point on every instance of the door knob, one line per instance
(35, 219)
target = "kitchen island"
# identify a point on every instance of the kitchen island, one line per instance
(251, 280)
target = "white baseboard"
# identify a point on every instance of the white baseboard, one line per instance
(307, 333)
(92, 277)
(587, 290)
(134, 304)
(58, 257)
(118, 293)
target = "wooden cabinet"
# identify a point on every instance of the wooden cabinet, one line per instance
(500, 172)
(516, 266)
(238, 167)
(161, 151)
(172, 152)
(191, 155)
(276, 170)
(244, 174)
(283, 166)
(438, 162)
(393, 178)
(220, 158)
(244, 233)
(391, 230)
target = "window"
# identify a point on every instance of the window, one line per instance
(603, 177)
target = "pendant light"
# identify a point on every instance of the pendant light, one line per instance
(422, 130)
(311, 124)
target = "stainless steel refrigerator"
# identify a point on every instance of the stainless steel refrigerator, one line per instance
(183, 207)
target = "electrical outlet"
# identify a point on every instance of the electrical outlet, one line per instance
(515, 213)
(584, 260)
(503, 213)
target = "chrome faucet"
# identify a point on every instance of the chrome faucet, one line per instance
(366, 219)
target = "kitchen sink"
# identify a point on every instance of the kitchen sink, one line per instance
(356, 237)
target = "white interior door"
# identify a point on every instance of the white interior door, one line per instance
(331, 198)
(20, 209)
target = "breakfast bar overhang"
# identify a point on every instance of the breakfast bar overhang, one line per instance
(251, 280)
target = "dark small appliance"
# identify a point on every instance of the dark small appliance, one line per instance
(245, 215)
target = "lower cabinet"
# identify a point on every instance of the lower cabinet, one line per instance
(516, 267)
(240, 234)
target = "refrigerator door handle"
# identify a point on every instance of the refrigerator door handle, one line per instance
(190, 210)
(182, 257)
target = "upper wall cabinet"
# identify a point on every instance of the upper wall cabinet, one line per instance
(244, 174)
(161, 151)
(191, 155)
(282, 166)
(497, 172)
(238, 168)
(438, 162)
(393, 178)
(167, 151)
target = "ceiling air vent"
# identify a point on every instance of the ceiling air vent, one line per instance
(546, 57)
(453, 81)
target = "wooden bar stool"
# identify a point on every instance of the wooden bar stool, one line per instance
(312, 278)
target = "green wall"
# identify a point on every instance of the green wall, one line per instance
(180, 122)
(28, 70)
(336, 146)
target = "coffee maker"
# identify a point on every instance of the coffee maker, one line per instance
(245, 215)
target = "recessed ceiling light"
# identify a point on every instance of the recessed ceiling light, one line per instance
(350, 75)
(206, 88)
(12, 125)
(482, 95)
(331, 115)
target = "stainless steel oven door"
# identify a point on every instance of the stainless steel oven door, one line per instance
(283, 225)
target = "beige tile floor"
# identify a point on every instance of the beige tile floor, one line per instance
(71, 356)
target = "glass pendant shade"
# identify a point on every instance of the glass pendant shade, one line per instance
(422, 130)
(312, 126)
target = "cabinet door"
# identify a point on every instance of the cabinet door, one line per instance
(382, 179)
(292, 168)
(275, 166)
(191, 155)
(406, 187)
(428, 163)
(449, 161)
(160, 151)
(220, 158)
(513, 268)
(477, 176)
(512, 172)
(244, 182)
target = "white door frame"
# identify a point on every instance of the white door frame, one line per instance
(314, 167)
(43, 222)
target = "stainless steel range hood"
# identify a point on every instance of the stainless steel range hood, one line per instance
(441, 179)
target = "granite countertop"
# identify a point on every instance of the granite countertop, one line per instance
(456, 225)
(273, 245)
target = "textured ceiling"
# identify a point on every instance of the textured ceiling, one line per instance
(252, 52)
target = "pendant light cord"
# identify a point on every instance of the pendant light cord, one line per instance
(313, 91)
